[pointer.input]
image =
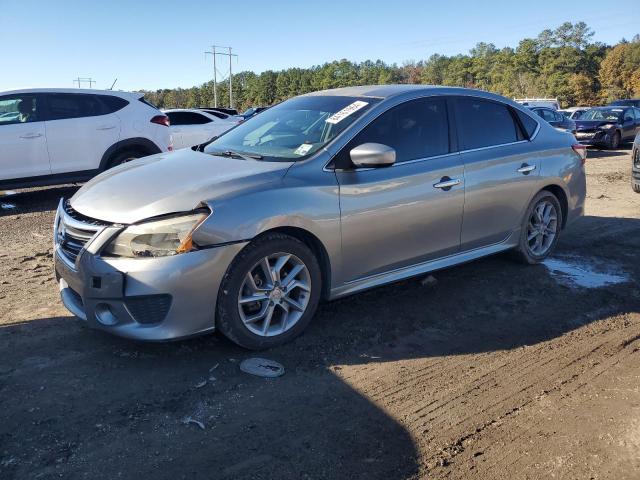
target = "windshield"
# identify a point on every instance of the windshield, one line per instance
(292, 130)
(613, 114)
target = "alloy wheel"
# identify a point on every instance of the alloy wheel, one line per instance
(542, 228)
(274, 294)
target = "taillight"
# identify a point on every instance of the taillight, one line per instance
(161, 120)
(581, 150)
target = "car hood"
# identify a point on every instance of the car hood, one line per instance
(168, 183)
(589, 124)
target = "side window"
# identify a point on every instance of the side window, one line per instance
(483, 123)
(415, 129)
(73, 105)
(628, 115)
(558, 117)
(195, 118)
(176, 118)
(112, 104)
(636, 112)
(527, 122)
(19, 109)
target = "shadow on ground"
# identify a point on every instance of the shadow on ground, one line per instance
(35, 200)
(78, 402)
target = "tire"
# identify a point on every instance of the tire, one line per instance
(124, 157)
(525, 252)
(614, 141)
(636, 187)
(242, 323)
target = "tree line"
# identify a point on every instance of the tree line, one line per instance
(563, 63)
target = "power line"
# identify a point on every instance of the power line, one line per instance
(81, 80)
(214, 53)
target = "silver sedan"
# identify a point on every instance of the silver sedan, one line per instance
(322, 196)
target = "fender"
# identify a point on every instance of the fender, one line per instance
(138, 143)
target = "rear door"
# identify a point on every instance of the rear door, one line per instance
(404, 214)
(22, 137)
(500, 171)
(80, 128)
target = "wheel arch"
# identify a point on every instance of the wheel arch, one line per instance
(316, 246)
(561, 195)
(139, 144)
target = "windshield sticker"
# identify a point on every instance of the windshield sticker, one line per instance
(303, 149)
(346, 111)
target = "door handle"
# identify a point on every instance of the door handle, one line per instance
(31, 135)
(526, 169)
(446, 183)
(106, 127)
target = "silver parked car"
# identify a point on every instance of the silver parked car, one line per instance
(322, 196)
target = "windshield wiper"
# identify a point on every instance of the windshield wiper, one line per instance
(244, 156)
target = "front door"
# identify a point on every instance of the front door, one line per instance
(408, 213)
(22, 136)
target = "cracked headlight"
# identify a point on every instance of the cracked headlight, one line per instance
(159, 238)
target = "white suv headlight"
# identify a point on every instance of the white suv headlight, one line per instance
(158, 238)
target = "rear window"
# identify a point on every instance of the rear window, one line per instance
(483, 123)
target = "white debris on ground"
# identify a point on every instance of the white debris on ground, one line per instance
(429, 281)
(7, 206)
(578, 272)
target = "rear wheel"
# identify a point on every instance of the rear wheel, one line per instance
(636, 187)
(540, 228)
(124, 157)
(269, 293)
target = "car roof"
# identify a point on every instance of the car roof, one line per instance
(117, 93)
(389, 91)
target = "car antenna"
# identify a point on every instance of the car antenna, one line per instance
(112, 85)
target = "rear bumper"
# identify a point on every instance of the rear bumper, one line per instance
(146, 299)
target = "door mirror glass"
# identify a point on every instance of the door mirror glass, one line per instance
(372, 155)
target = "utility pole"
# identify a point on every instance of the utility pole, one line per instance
(214, 53)
(215, 70)
(88, 80)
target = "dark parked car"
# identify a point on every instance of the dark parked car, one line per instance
(556, 119)
(608, 126)
(635, 165)
(629, 102)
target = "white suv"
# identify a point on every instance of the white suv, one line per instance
(54, 136)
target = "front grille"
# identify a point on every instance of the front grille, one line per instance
(149, 308)
(68, 209)
(74, 231)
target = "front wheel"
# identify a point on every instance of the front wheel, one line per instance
(269, 293)
(540, 228)
(614, 141)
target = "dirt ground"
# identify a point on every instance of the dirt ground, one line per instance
(498, 371)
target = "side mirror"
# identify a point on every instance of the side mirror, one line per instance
(372, 155)
(628, 119)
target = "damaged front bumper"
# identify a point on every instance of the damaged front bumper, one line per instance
(162, 298)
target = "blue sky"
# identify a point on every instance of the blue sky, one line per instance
(161, 44)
